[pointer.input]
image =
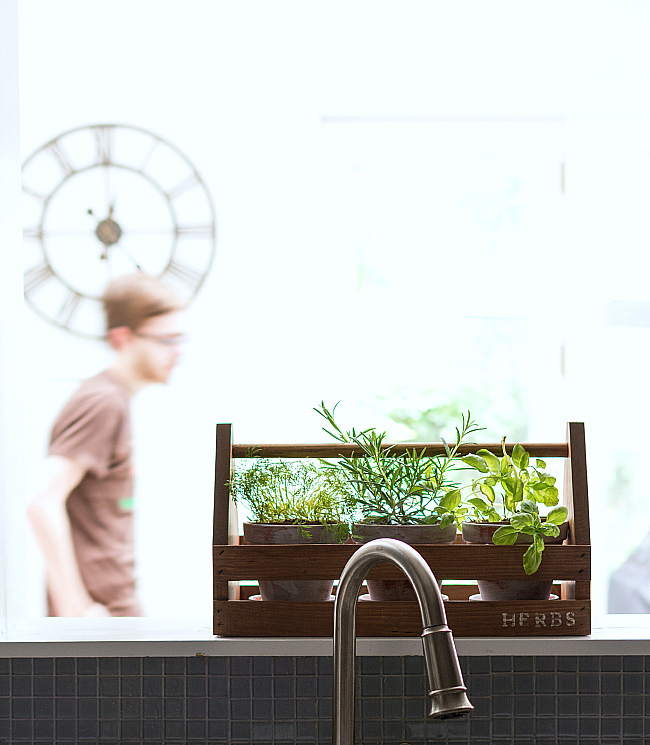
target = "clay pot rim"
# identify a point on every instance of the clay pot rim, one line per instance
(412, 528)
(427, 534)
(522, 539)
(499, 522)
(401, 525)
(502, 522)
(277, 534)
(291, 522)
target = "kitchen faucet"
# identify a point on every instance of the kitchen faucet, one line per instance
(447, 692)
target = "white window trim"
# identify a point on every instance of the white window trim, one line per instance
(12, 449)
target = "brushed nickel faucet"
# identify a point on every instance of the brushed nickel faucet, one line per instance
(447, 692)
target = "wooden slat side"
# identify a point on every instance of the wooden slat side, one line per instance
(576, 500)
(568, 588)
(222, 467)
(453, 561)
(221, 526)
(576, 477)
(333, 450)
(567, 495)
(466, 619)
(453, 592)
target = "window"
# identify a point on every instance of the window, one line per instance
(410, 203)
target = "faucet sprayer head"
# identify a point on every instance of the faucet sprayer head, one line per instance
(447, 691)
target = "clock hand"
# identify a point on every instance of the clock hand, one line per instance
(128, 256)
(162, 231)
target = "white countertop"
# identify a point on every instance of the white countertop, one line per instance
(147, 637)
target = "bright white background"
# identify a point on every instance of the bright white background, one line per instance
(278, 104)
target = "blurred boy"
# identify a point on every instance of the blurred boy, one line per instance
(82, 512)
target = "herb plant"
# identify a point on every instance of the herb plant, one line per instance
(527, 520)
(512, 478)
(301, 492)
(407, 488)
(519, 487)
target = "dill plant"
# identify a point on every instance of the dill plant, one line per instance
(299, 492)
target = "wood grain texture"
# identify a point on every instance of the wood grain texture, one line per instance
(222, 467)
(453, 592)
(452, 561)
(333, 450)
(472, 619)
(576, 482)
(577, 499)
(222, 514)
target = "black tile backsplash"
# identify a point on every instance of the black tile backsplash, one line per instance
(561, 700)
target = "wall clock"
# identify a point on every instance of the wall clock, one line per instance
(104, 200)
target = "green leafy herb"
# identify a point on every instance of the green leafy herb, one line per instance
(406, 488)
(513, 479)
(298, 492)
(516, 487)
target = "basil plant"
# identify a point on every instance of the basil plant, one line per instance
(510, 490)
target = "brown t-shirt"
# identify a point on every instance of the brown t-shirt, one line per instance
(94, 430)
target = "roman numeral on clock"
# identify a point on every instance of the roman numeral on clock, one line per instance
(33, 234)
(68, 307)
(61, 158)
(186, 274)
(33, 193)
(103, 144)
(185, 185)
(205, 230)
(35, 276)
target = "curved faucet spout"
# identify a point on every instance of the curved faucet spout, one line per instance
(447, 691)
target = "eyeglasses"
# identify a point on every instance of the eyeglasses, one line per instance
(165, 341)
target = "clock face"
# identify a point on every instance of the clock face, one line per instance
(106, 200)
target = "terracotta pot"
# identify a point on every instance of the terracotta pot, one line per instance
(510, 589)
(401, 589)
(281, 533)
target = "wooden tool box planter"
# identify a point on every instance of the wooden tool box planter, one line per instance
(570, 564)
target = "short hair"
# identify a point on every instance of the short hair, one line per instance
(132, 299)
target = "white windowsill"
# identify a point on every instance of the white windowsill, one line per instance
(147, 637)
